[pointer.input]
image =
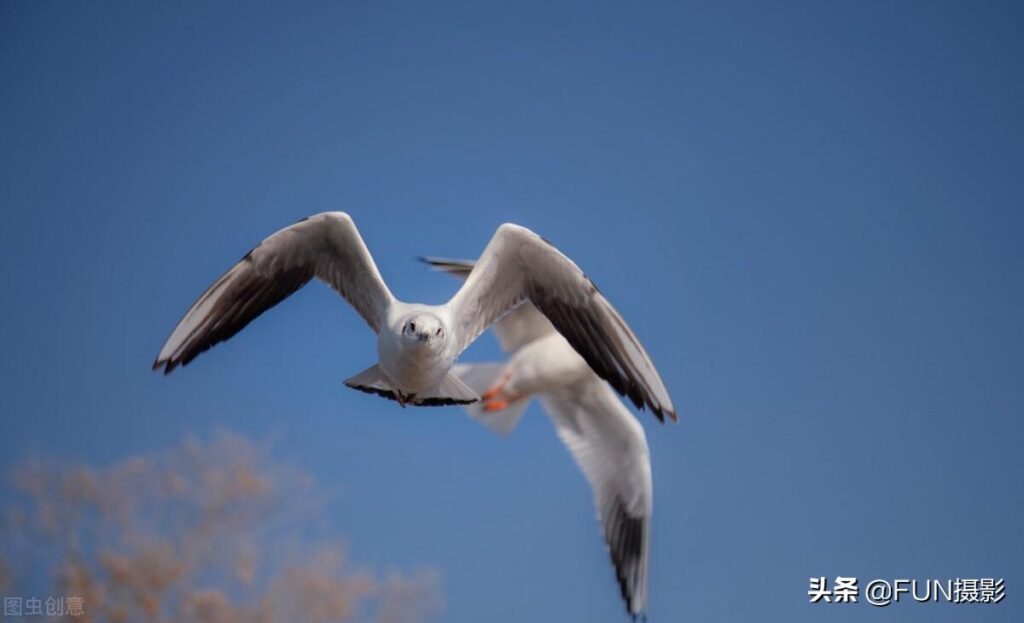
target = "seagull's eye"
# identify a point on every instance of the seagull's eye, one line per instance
(412, 326)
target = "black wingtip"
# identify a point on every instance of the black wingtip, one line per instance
(644, 406)
(166, 366)
(435, 263)
(657, 411)
(661, 412)
(433, 260)
(447, 264)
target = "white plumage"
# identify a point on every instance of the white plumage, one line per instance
(418, 344)
(604, 438)
(569, 346)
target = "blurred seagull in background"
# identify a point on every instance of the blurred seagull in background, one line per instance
(604, 438)
(418, 344)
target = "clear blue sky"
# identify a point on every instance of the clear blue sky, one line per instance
(810, 211)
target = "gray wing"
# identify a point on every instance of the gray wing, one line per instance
(515, 329)
(326, 246)
(609, 446)
(519, 265)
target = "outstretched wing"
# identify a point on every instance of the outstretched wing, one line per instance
(515, 329)
(610, 448)
(519, 265)
(326, 246)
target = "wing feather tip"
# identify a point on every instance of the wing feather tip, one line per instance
(451, 266)
(660, 413)
(166, 365)
(162, 363)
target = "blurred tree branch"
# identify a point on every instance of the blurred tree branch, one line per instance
(207, 532)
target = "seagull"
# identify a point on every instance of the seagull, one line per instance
(417, 344)
(604, 438)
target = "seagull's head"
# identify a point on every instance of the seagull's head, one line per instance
(423, 328)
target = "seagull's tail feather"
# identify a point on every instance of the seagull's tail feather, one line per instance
(480, 377)
(452, 391)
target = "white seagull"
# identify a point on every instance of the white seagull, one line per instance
(604, 438)
(418, 344)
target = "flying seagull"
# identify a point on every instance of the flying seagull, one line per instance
(418, 344)
(604, 438)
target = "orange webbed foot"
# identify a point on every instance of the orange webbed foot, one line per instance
(495, 390)
(493, 405)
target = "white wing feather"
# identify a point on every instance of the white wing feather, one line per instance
(610, 448)
(326, 246)
(603, 437)
(519, 265)
(515, 329)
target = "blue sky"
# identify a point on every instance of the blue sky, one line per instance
(811, 212)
